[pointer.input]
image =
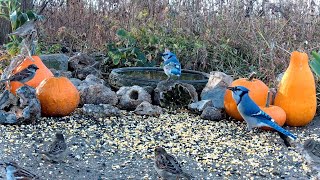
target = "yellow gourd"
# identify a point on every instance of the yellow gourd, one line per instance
(297, 92)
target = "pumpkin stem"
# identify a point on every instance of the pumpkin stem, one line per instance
(252, 75)
(268, 99)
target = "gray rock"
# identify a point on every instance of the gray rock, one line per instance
(82, 65)
(4, 99)
(100, 110)
(145, 108)
(29, 105)
(61, 73)
(96, 94)
(174, 94)
(131, 97)
(149, 89)
(56, 61)
(76, 82)
(212, 113)
(8, 118)
(216, 88)
(199, 106)
(92, 79)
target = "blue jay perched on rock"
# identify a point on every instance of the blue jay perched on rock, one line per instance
(252, 114)
(172, 66)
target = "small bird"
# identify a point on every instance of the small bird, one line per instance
(28, 33)
(26, 29)
(23, 76)
(167, 166)
(252, 114)
(172, 66)
(312, 149)
(57, 149)
(14, 172)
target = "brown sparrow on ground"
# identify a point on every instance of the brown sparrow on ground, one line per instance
(57, 149)
(167, 166)
(13, 172)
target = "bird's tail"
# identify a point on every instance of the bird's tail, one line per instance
(187, 176)
(281, 130)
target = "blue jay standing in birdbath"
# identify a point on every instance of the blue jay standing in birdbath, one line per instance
(172, 66)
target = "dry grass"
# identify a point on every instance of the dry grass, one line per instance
(237, 37)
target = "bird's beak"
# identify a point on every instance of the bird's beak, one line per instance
(230, 88)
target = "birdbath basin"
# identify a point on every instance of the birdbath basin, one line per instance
(151, 76)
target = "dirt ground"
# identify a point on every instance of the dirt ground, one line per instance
(122, 148)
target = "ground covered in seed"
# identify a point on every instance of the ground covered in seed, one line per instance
(122, 147)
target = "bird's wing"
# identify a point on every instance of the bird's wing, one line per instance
(21, 173)
(57, 147)
(20, 75)
(261, 114)
(168, 163)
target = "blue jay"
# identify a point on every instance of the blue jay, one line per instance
(172, 66)
(252, 114)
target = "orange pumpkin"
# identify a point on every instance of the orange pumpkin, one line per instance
(258, 93)
(276, 112)
(58, 96)
(42, 73)
(297, 91)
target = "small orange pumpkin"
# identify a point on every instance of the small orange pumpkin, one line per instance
(42, 73)
(276, 112)
(57, 96)
(258, 93)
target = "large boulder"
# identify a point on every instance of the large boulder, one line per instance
(97, 94)
(174, 94)
(212, 113)
(216, 88)
(145, 108)
(24, 108)
(82, 65)
(198, 107)
(55, 61)
(94, 90)
(131, 97)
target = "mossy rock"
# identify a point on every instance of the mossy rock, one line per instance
(174, 94)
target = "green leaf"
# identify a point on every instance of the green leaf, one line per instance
(122, 33)
(116, 61)
(13, 18)
(315, 55)
(315, 66)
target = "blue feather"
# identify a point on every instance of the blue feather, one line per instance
(275, 126)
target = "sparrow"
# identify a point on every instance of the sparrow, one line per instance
(13, 172)
(167, 166)
(23, 76)
(312, 148)
(57, 149)
(28, 33)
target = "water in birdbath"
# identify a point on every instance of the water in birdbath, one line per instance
(160, 75)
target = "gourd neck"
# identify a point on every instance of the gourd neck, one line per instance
(298, 60)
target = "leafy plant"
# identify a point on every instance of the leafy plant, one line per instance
(126, 52)
(315, 63)
(10, 10)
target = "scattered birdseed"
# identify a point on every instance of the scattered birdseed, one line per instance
(122, 147)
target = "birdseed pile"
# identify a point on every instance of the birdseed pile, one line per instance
(122, 148)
